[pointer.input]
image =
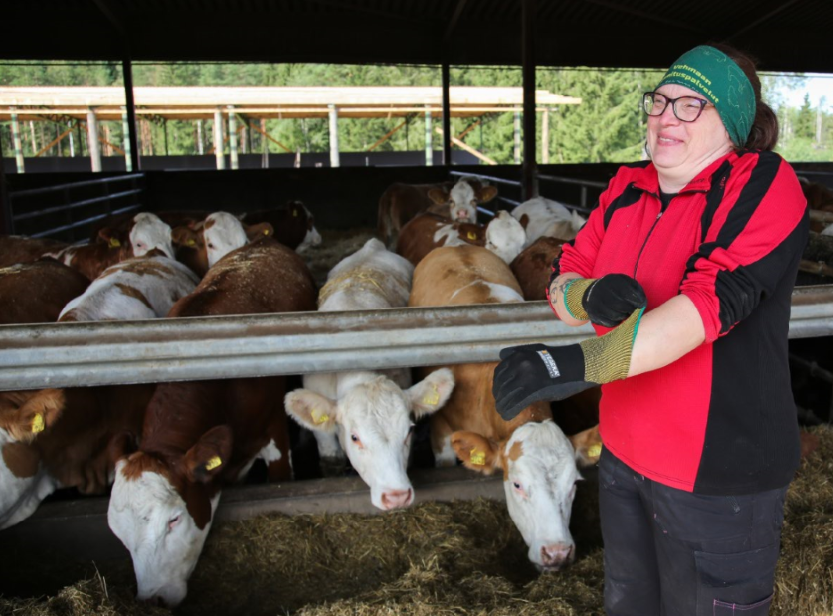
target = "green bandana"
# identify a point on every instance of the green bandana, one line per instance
(715, 75)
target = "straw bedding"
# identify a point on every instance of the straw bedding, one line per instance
(439, 559)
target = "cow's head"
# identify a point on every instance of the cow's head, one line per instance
(161, 508)
(23, 483)
(149, 233)
(505, 236)
(540, 474)
(374, 420)
(201, 245)
(312, 238)
(463, 198)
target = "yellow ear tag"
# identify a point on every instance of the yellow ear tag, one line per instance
(37, 424)
(295, 213)
(478, 458)
(114, 243)
(192, 242)
(433, 397)
(213, 463)
(595, 451)
(266, 232)
(318, 417)
(471, 235)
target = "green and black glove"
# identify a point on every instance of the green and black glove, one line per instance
(533, 372)
(606, 301)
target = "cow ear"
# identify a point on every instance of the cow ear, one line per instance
(110, 237)
(184, 236)
(487, 193)
(210, 455)
(439, 196)
(259, 230)
(476, 452)
(430, 395)
(312, 410)
(588, 446)
(120, 446)
(37, 413)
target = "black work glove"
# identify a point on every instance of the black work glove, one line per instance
(533, 372)
(606, 301)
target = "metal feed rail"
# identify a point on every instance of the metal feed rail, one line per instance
(100, 353)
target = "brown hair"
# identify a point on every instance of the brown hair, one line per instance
(764, 132)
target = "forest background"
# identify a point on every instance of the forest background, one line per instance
(607, 126)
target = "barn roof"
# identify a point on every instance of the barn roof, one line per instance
(786, 35)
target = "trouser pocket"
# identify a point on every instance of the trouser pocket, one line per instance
(739, 583)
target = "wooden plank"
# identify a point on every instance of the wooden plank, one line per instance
(469, 149)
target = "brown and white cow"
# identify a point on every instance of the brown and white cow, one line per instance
(140, 288)
(16, 249)
(201, 245)
(532, 268)
(146, 233)
(504, 235)
(542, 217)
(294, 225)
(200, 436)
(37, 292)
(402, 202)
(369, 414)
(58, 438)
(538, 461)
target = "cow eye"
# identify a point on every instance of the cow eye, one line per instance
(210, 245)
(173, 521)
(354, 437)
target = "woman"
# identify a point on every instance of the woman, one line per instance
(691, 258)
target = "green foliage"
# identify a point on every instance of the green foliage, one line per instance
(607, 126)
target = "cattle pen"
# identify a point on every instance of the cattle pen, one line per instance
(317, 546)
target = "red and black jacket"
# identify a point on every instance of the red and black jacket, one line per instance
(721, 419)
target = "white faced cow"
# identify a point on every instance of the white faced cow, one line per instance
(370, 413)
(542, 217)
(538, 461)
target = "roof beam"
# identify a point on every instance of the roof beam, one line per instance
(455, 17)
(780, 8)
(617, 6)
(361, 9)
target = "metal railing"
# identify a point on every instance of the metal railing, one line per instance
(100, 353)
(69, 204)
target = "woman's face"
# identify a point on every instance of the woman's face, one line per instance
(680, 150)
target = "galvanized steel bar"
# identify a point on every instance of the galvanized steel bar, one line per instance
(78, 354)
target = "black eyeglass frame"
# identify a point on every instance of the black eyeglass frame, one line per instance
(673, 103)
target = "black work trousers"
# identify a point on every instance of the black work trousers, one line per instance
(674, 553)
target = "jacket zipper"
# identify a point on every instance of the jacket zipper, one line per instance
(650, 231)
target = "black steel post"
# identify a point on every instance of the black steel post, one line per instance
(127, 72)
(529, 170)
(446, 114)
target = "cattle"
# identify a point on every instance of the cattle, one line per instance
(402, 202)
(538, 461)
(532, 268)
(140, 288)
(37, 292)
(201, 245)
(369, 413)
(542, 217)
(428, 231)
(294, 225)
(58, 438)
(198, 437)
(16, 249)
(147, 232)
(121, 224)
(504, 236)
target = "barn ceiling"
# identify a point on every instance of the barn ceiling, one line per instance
(786, 35)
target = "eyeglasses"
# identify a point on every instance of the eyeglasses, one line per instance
(685, 108)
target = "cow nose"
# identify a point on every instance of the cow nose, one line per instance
(396, 499)
(556, 554)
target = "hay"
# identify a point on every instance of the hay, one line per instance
(335, 245)
(438, 559)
